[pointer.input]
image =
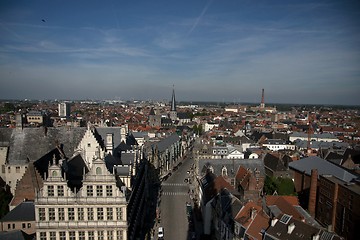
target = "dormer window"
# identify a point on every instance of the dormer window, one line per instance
(224, 171)
(98, 171)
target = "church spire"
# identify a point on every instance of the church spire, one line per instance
(173, 101)
(173, 113)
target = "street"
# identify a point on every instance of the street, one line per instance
(173, 201)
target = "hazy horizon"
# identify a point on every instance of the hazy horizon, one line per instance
(304, 52)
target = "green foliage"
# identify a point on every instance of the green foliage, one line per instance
(283, 186)
(198, 129)
(7, 107)
(286, 186)
(270, 185)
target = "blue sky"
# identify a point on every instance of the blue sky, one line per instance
(217, 50)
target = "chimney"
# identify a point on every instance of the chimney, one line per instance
(253, 213)
(291, 228)
(262, 105)
(109, 143)
(316, 237)
(312, 195)
(273, 221)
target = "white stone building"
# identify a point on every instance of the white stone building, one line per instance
(95, 211)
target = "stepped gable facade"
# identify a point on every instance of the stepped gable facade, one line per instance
(95, 210)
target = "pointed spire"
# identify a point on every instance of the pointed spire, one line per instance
(173, 101)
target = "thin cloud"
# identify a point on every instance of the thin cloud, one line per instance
(200, 17)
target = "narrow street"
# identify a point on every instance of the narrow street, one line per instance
(174, 196)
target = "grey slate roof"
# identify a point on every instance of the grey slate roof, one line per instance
(166, 142)
(230, 164)
(324, 168)
(274, 163)
(24, 212)
(16, 235)
(116, 131)
(320, 144)
(21, 142)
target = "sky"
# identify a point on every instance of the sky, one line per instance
(305, 52)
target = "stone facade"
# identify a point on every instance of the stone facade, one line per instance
(95, 211)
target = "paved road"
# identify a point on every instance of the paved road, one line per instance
(173, 203)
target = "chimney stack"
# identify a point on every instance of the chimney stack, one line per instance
(262, 105)
(291, 228)
(273, 221)
(313, 189)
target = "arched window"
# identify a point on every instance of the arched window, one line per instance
(98, 170)
(54, 173)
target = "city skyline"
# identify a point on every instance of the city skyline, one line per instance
(302, 53)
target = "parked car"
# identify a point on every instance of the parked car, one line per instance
(161, 233)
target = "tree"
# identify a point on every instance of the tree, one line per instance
(270, 185)
(286, 186)
(283, 186)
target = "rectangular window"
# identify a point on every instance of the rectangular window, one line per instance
(109, 213)
(100, 235)
(100, 214)
(52, 236)
(99, 191)
(62, 235)
(109, 192)
(89, 190)
(91, 235)
(80, 214)
(71, 214)
(13, 225)
(50, 191)
(72, 235)
(110, 235)
(60, 191)
(51, 214)
(119, 234)
(23, 225)
(119, 214)
(9, 170)
(61, 214)
(81, 235)
(43, 236)
(90, 214)
(41, 214)
(9, 225)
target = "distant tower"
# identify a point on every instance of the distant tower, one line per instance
(173, 113)
(154, 119)
(64, 110)
(262, 104)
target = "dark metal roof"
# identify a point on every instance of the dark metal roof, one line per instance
(24, 212)
(324, 168)
(16, 235)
